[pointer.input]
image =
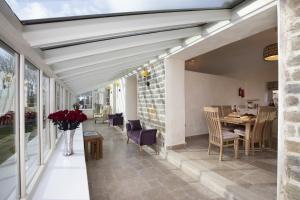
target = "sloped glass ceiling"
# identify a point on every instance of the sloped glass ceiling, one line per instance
(27, 10)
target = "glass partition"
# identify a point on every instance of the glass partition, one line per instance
(46, 109)
(31, 99)
(8, 92)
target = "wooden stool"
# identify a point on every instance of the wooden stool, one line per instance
(95, 140)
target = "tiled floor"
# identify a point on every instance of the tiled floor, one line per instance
(125, 174)
(256, 174)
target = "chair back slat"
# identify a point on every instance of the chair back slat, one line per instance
(213, 124)
(265, 115)
(219, 109)
(226, 110)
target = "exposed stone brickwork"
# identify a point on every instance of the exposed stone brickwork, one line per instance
(289, 40)
(151, 100)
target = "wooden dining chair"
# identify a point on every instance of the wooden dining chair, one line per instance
(226, 110)
(256, 134)
(268, 128)
(217, 136)
(219, 109)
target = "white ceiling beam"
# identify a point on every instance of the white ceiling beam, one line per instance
(98, 74)
(118, 68)
(93, 81)
(80, 90)
(262, 17)
(129, 60)
(59, 33)
(71, 52)
(110, 56)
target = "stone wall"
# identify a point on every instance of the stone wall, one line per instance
(151, 100)
(289, 96)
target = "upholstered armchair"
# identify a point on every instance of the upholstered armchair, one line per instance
(116, 119)
(140, 136)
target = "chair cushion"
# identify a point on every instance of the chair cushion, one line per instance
(118, 114)
(135, 125)
(229, 135)
(240, 132)
(134, 135)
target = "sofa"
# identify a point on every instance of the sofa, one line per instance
(140, 136)
(116, 119)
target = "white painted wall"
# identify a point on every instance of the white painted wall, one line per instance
(126, 98)
(131, 98)
(120, 90)
(204, 90)
(243, 60)
(175, 102)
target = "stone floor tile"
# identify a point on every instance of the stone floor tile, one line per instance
(125, 174)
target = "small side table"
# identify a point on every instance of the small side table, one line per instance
(95, 140)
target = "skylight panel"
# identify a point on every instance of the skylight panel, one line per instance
(55, 9)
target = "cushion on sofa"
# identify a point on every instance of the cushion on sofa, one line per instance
(135, 125)
(118, 114)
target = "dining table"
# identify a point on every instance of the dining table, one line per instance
(248, 122)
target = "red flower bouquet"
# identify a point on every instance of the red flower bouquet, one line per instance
(67, 120)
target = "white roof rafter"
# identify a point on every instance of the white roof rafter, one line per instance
(111, 56)
(61, 33)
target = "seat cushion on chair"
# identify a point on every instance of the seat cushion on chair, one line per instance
(240, 132)
(135, 124)
(119, 114)
(135, 135)
(227, 135)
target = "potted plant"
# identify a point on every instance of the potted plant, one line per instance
(68, 121)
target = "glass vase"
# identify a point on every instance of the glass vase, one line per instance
(68, 137)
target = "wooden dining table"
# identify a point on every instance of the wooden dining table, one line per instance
(247, 122)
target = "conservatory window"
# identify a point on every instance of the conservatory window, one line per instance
(31, 99)
(8, 131)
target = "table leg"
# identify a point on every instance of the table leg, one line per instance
(98, 150)
(101, 149)
(247, 138)
(86, 150)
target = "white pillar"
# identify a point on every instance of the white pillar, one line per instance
(113, 99)
(22, 127)
(175, 102)
(51, 110)
(130, 99)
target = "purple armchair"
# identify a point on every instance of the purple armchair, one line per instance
(140, 136)
(116, 119)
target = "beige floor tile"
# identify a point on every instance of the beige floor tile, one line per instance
(123, 173)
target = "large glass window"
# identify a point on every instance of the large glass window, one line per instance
(85, 100)
(31, 99)
(41, 9)
(8, 91)
(46, 108)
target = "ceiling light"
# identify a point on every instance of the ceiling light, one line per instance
(152, 61)
(162, 56)
(252, 7)
(174, 49)
(217, 26)
(271, 52)
(192, 39)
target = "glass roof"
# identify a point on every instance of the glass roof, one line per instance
(27, 10)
